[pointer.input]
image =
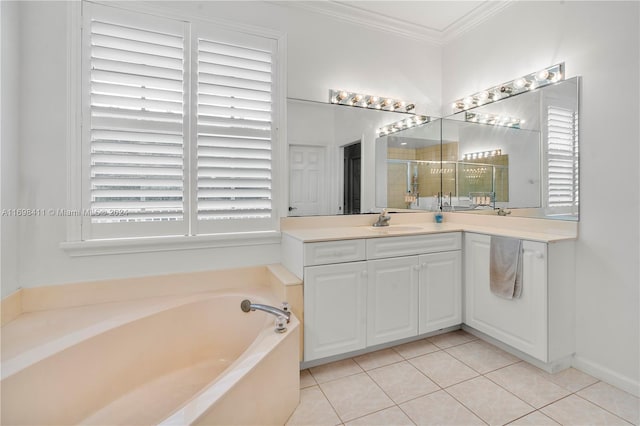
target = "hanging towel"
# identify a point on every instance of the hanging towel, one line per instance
(505, 263)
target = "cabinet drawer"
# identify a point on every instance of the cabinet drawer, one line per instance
(378, 248)
(326, 252)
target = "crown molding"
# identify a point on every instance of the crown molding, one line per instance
(474, 18)
(367, 19)
(355, 15)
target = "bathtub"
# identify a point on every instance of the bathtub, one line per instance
(191, 360)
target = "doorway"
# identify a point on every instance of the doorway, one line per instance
(352, 166)
(307, 188)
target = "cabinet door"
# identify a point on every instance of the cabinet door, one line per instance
(392, 299)
(440, 291)
(520, 323)
(334, 309)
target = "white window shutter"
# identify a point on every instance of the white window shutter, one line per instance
(562, 128)
(136, 118)
(234, 132)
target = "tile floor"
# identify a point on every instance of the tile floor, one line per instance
(455, 379)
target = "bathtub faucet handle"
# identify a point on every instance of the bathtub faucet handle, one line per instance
(285, 306)
(281, 324)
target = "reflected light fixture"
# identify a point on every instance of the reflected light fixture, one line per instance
(407, 123)
(493, 119)
(481, 154)
(537, 79)
(343, 97)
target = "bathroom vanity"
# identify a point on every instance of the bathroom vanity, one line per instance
(367, 288)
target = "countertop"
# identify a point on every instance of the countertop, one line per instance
(323, 233)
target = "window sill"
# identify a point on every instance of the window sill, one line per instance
(168, 243)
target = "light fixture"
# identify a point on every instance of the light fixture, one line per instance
(343, 97)
(407, 123)
(493, 119)
(541, 78)
(481, 154)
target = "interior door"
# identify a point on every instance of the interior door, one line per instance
(307, 174)
(352, 162)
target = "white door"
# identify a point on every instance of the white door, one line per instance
(440, 291)
(307, 177)
(392, 299)
(334, 309)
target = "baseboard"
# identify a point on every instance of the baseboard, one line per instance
(607, 375)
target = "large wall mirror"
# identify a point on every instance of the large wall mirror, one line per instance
(331, 157)
(519, 154)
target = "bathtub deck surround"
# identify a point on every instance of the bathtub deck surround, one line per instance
(187, 346)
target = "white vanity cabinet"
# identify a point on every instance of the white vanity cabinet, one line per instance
(365, 292)
(392, 300)
(335, 309)
(540, 322)
(440, 291)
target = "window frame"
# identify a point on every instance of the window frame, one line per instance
(79, 238)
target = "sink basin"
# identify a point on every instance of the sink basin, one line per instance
(392, 229)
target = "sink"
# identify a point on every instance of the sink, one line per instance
(392, 229)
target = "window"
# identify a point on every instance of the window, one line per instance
(178, 127)
(562, 156)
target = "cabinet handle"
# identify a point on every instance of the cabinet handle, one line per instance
(539, 255)
(424, 264)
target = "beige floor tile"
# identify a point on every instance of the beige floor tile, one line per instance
(390, 416)
(439, 408)
(306, 379)
(335, 370)
(442, 368)
(574, 410)
(378, 359)
(614, 400)
(355, 396)
(534, 419)
(314, 409)
(402, 381)
(481, 356)
(489, 401)
(571, 379)
(528, 385)
(417, 348)
(453, 338)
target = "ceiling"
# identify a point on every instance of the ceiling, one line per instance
(428, 20)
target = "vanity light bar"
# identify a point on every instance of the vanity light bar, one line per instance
(493, 119)
(541, 78)
(481, 154)
(343, 97)
(407, 123)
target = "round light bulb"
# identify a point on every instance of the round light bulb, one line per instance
(520, 83)
(542, 75)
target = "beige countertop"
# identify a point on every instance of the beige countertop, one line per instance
(532, 231)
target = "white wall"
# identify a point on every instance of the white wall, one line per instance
(322, 54)
(598, 40)
(9, 149)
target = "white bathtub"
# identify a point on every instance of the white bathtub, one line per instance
(197, 361)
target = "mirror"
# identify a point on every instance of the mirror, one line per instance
(518, 154)
(408, 167)
(331, 157)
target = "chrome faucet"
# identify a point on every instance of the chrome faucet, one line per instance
(383, 219)
(283, 316)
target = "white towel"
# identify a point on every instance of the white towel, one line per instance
(505, 271)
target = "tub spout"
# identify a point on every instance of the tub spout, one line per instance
(247, 306)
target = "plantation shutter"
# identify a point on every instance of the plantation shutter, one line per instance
(136, 117)
(234, 131)
(562, 157)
